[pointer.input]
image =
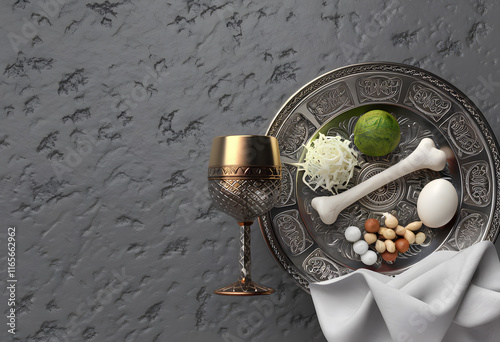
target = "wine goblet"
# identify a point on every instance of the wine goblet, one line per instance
(244, 181)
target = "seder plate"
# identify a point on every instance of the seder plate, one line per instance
(425, 106)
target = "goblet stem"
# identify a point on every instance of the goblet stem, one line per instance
(245, 252)
(245, 286)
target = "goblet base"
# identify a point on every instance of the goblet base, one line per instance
(244, 288)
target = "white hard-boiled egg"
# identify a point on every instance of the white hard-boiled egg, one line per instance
(437, 203)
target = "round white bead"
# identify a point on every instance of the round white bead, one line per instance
(369, 258)
(360, 247)
(352, 234)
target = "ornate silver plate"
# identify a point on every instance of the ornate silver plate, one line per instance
(425, 106)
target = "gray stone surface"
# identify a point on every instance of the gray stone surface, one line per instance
(108, 109)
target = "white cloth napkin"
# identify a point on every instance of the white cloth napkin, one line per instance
(448, 296)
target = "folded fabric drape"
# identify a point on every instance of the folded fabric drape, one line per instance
(449, 296)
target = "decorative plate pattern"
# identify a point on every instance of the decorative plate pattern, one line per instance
(426, 107)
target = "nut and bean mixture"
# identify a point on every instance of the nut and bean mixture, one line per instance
(388, 240)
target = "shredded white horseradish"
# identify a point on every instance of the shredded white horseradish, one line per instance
(329, 163)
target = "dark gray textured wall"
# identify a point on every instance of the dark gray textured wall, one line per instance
(108, 109)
